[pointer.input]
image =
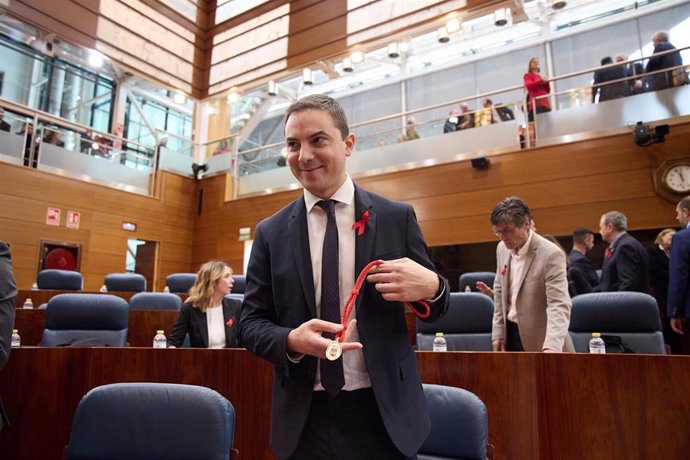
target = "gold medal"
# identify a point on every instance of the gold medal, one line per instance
(334, 350)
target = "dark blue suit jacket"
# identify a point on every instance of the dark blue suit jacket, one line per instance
(579, 260)
(664, 79)
(628, 268)
(280, 296)
(8, 292)
(679, 276)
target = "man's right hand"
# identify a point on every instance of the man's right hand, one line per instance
(678, 325)
(498, 345)
(307, 338)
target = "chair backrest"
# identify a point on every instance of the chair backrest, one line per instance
(180, 282)
(130, 282)
(466, 325)
(65, 280)
(164, 421)
(91, 319)
(470, 279)
(239, 283)
(239, 297)
(459, 425)
(632, 316)
(155, 301)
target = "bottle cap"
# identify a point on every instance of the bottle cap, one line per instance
(468, 288)
(15, 331)
(34, 286)
(439, 334)
(28, 300)
(159, 331)
(596, 334)
(166, 289)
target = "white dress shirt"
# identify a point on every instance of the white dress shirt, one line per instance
(216, 327)
(354, 366)
(517, 266)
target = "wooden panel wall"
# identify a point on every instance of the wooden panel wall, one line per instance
(567, 186)
(146, 36)
(167, 219)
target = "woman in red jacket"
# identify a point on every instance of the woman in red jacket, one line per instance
(536, 86)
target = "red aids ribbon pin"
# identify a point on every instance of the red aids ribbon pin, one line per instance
(361, 224)
(230, 322)
(608, 253)
(504, 269)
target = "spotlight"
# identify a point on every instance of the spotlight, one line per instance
(643, 137)
(199, 170)
(557, 4)
(480, 163)
(357, 57)
(393, 50)
(347, 65)
(501, 17)
(443, 35)
(95, 59)
(179, 97)
(306, 77)
(272, 88)
(234, 96)
(453, 25)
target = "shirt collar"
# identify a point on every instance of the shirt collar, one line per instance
(345, 194)
(525, 247)
(616, 239)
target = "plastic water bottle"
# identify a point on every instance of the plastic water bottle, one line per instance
(440, 343)
(596, 344)
(104, 288)
(28, 303)
(34, 287)
(159, 341)
(468, 288)
(166, 289)
(16, 340)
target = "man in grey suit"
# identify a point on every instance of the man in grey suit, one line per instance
(370, 402)
(679, 271)
(8, 292)
(532, 310)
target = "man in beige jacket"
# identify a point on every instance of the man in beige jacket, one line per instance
(532, 311)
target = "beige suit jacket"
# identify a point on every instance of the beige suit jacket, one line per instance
(543, 302)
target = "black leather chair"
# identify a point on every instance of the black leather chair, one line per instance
(127, 282)
(632, 316)
(466, 325)
(180, 282)
(87, 319)
(162, 421)
(459, 425)
(63, 280)
(470, 279)
(239, 284)
(155, 301)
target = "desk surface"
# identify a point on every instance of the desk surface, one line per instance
(541, 406)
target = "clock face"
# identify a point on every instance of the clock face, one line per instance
(677, 178)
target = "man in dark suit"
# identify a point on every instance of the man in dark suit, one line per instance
(608, 91)
(679, 271)
(8, 292)
(583, 242)
(669, 60)
(626, 261)
(377, 408)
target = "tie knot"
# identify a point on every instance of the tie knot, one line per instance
(327, 205)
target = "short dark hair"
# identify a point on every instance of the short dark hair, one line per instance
(511, 209)
(580, 234)
(684, 203)
(325, 103)
(606, 60)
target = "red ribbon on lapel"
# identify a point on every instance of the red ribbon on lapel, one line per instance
(361, 224)
(608, 253)
(230, 322)
(504, 269)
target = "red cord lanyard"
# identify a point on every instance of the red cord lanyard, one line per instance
(350, 304)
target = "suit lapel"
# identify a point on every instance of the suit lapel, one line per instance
(529, 258)
(364, 244)
(203, 327)
(299, 240)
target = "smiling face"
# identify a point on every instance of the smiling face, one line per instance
(317, 152)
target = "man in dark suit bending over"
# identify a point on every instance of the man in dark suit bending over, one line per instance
(304, 262)
(8, 292)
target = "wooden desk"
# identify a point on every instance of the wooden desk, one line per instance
(541, 406)
(142, 325)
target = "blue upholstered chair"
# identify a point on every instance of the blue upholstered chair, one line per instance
(89, 319)
(162, 421)
(470, 279)
(180, 282)
(632, 316)
(459, 425)
(64, 280)
(239, 284)
(155, 301)
(466, 325)
(239, 297)
(129, 282)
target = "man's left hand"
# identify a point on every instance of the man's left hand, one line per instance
(404, 280)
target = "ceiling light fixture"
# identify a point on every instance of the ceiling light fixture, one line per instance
(95, 59)
(234, 96)
(347, 65)
(453, 25)
(179, 97)
(272, 88)
(443, 35)
(558, 4)
(393, 50)
(501, 17)
(306, 77)
(357, 57)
